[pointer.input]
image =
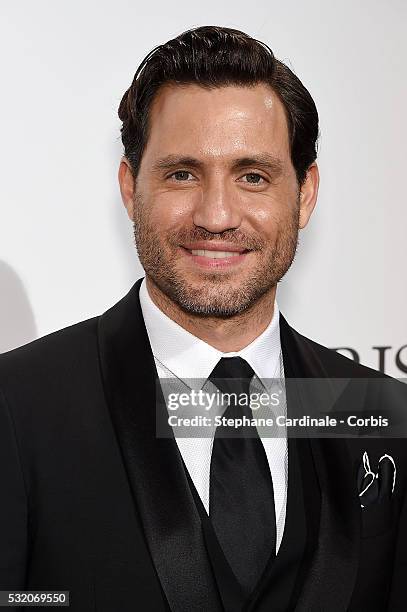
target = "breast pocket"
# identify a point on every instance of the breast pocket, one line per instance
(377, 549)
(379, 518)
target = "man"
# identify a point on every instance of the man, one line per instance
(218, 176)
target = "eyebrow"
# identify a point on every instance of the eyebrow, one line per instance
(260, 160)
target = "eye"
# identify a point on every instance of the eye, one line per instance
(180, 175)
(253, 178)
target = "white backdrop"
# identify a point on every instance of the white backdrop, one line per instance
(66, 247)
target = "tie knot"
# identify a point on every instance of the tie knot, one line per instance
(234, 368)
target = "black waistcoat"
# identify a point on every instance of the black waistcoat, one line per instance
(281, 582)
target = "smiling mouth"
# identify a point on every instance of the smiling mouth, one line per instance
(216, 254)
(214, 250)
(214, 258)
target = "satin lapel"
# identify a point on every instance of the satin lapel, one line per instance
(154, 467)
(333, 569)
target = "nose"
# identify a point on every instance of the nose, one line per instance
(218, 208)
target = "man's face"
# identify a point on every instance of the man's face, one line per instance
(216, 201)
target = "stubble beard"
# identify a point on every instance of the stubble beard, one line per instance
(213, 295)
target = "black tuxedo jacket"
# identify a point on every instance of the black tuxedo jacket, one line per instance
(91, 501)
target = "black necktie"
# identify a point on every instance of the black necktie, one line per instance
(241, 496)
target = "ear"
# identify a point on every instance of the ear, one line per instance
(309, 194)
(127, 185)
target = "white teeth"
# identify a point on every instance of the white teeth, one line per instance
(215, 254)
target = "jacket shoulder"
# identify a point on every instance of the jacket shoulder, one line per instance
(60, 349)
(336, 364)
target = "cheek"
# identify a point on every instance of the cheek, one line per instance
(170, 210)
(267, 218)
(274, 210)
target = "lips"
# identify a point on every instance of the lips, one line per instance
(215, 254)
(220, 247)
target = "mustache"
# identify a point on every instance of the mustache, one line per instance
(241, 239)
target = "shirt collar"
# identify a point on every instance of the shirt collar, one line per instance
(189, 357)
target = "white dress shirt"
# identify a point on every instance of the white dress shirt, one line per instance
(179, 353)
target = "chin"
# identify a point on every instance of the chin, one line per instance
(212, 310)
(211, 306)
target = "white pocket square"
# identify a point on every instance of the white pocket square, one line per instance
(376, 486)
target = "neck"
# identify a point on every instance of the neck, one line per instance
(226, 335)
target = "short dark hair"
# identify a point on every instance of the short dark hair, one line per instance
(213, 56)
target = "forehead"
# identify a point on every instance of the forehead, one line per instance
(217, 122)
